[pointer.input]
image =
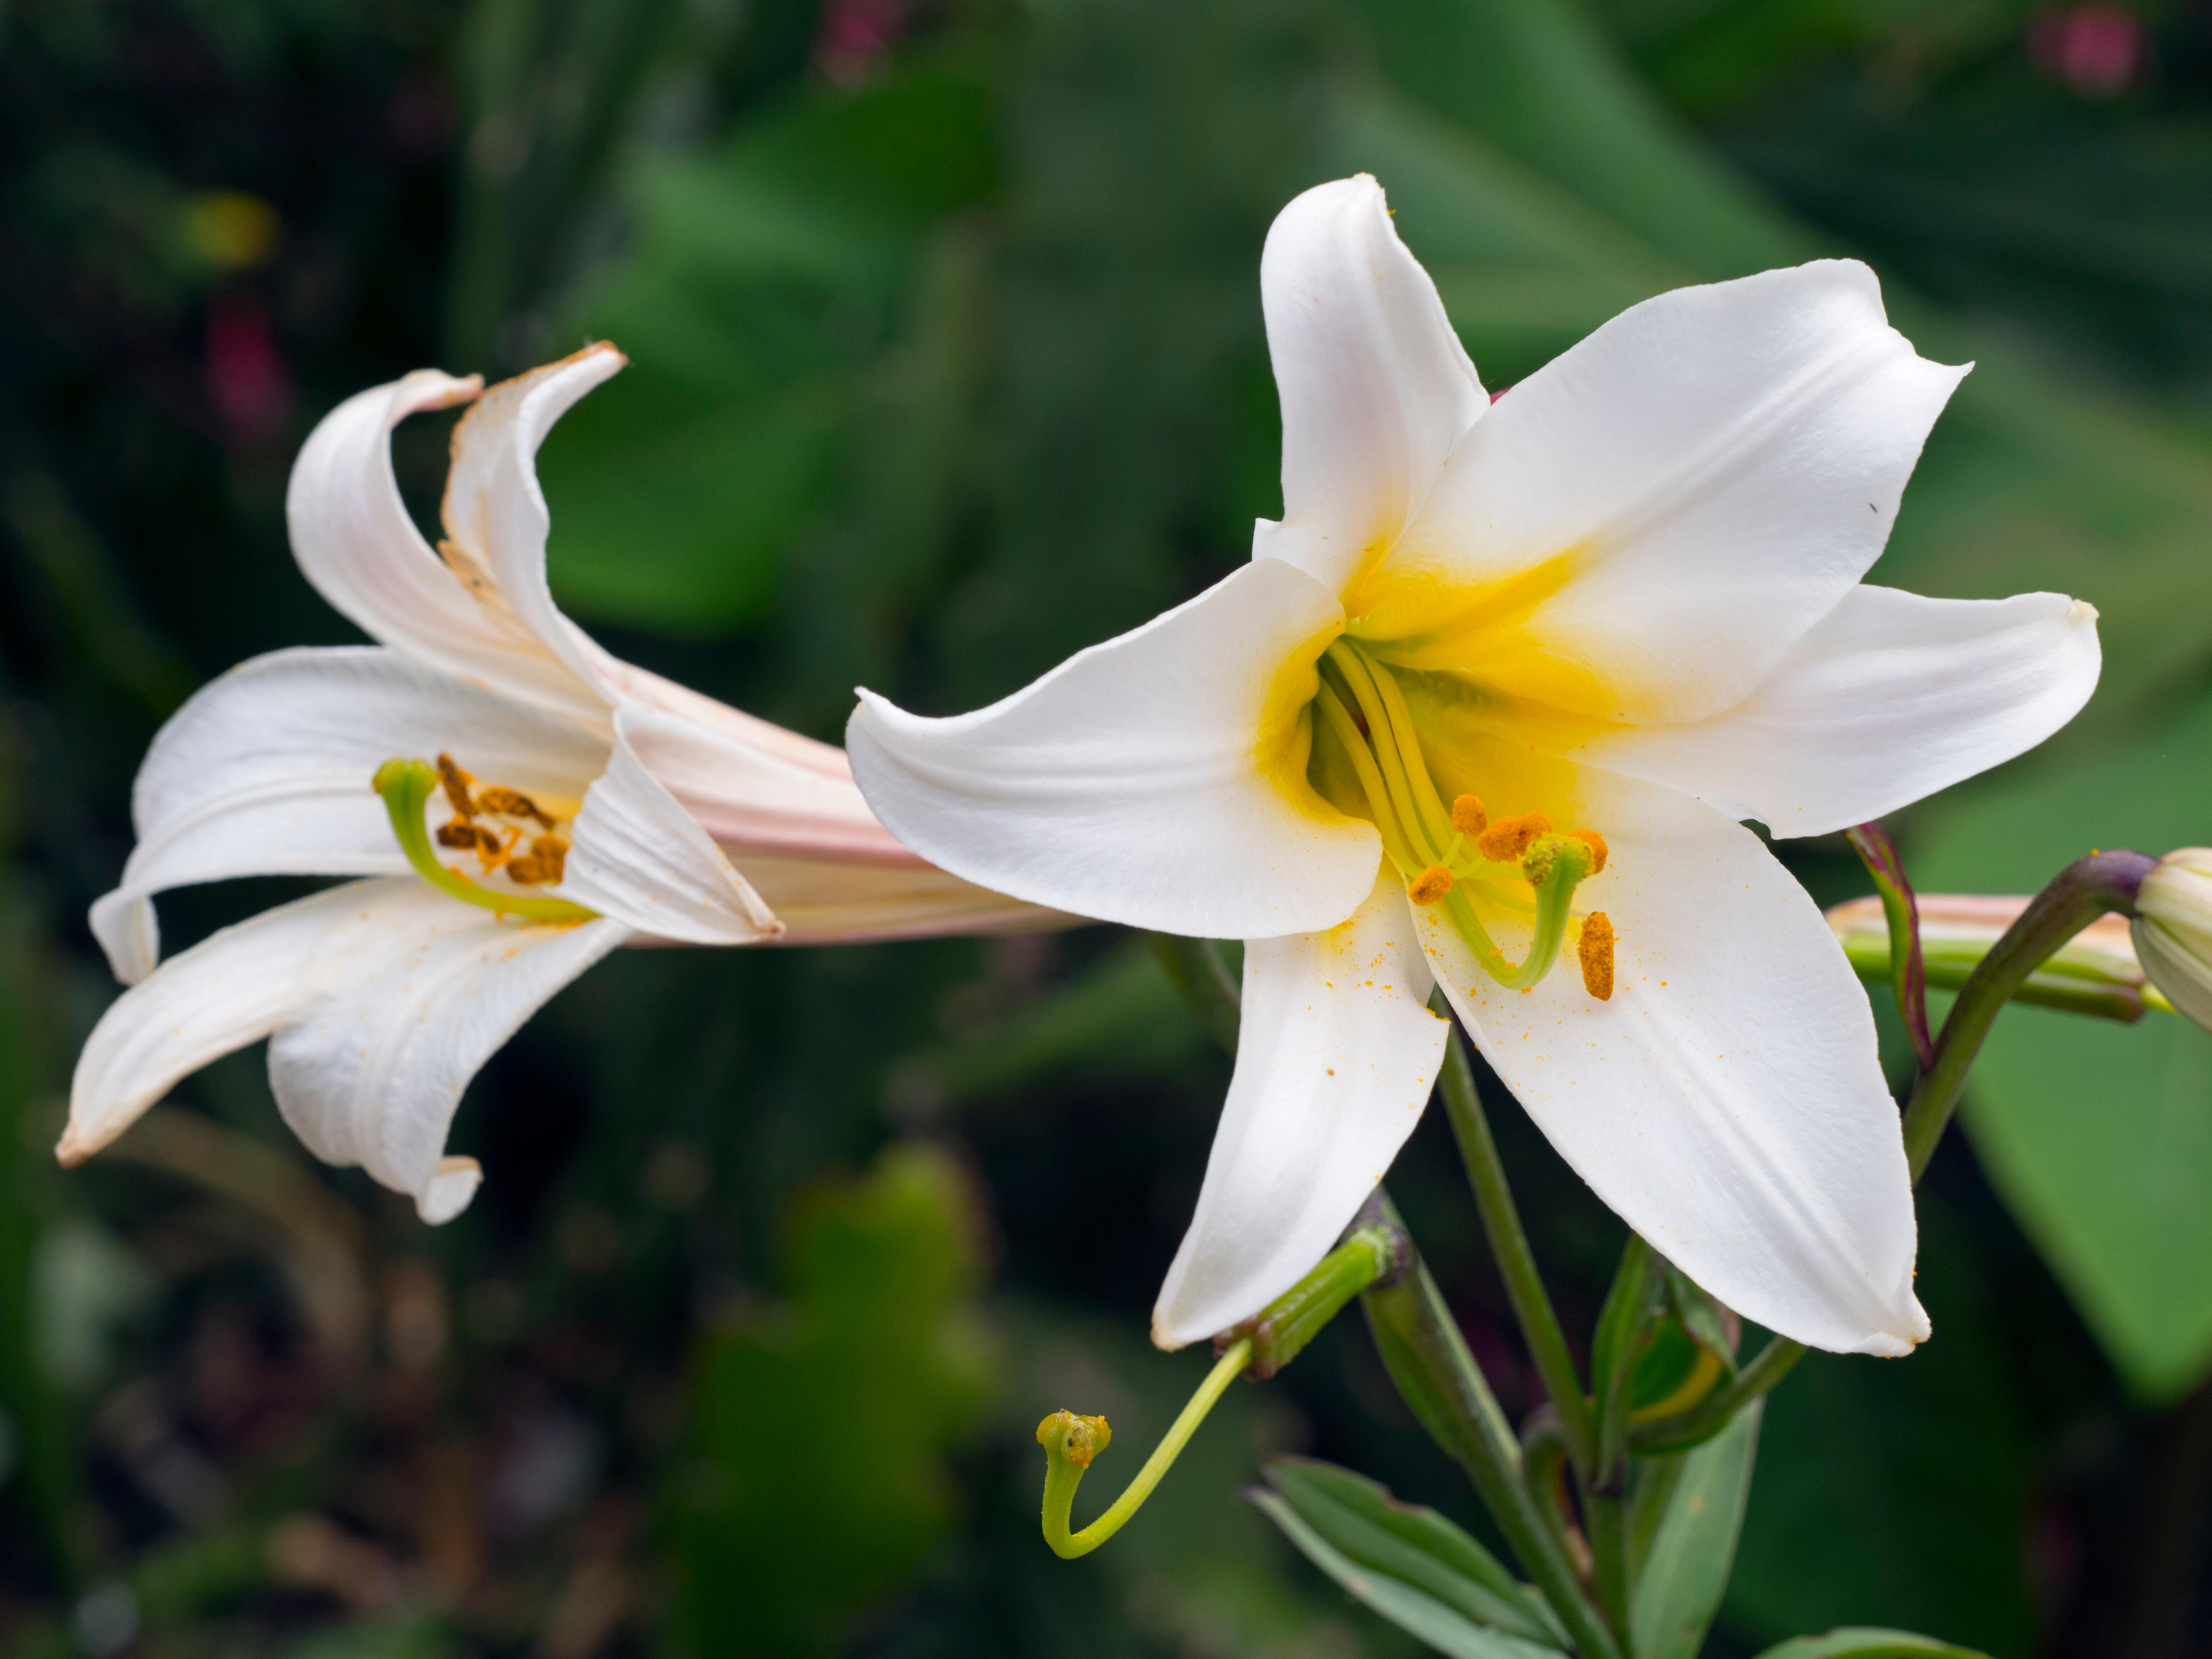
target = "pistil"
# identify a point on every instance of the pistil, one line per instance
(1429, 843)
(406, 785)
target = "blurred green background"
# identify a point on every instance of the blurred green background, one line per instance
(947, 359)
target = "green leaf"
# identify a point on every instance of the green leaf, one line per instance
(1120, 1017)
(2098, 1136)
(1686, 1571)
(1868, 1644)
(1416, 1546)
(766, 281)
(1623, 1325)
(819, 1428)
(1441, 1626)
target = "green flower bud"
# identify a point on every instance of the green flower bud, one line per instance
(2173, 930)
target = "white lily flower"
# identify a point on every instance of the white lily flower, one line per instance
(1622, 600)
(600, 804)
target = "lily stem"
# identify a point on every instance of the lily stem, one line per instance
(1901, 909)
(1195, 967)
(1428, 1359)
(2085, 889)
(1509, 1247)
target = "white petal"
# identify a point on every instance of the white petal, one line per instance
(820, 901)
(1642, 529)
(638, 856)
(751, 784)
(1376, 387)
(404, 996)
(354, 540)
(1157, 780)
(1890, 698)
(266, 771)
(1334, 1061)
(231, 989)
(495, 512)
(1727, 1102)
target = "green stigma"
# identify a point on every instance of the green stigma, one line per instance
(406, 786)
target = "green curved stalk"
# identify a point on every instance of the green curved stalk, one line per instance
(1066, 1461)
(1509, 1249)
(1428, 1359)
(2084, 891)
(1900, 908)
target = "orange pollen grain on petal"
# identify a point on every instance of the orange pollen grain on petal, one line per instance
(1508, 838)
(1596, 842)
(1468, 816)
(1594, 950)
(1430, 885)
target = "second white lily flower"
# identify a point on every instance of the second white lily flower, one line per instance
(587, 803)
(1623, 601)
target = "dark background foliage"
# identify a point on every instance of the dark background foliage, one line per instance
(946, 360)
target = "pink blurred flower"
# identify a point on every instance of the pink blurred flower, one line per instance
(856, 36)
(2096, 50)
(246, 378)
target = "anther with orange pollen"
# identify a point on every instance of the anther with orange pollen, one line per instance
(548, 852)
(1508, 838)
(1453, 858)
(1594, 950)
(406, 787)
(1431, 886)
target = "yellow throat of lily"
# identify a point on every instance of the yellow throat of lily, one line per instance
(1455, 856)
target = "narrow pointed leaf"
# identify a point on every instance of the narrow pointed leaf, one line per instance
(1694, 1544)
(1622, 1326)
(1414, 1611)
(1709, 1324)
(1868, 1644)
(1417, 1546)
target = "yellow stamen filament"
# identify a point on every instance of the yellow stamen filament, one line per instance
(1430, 885)
(1362, 710)
(1594, 950)
(1508, 838)
(1390, 755)
(1346, 732)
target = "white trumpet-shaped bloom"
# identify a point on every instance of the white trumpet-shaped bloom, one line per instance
(590, 803)
(1493, 697)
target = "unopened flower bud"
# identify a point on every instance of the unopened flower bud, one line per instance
(2173, 930)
